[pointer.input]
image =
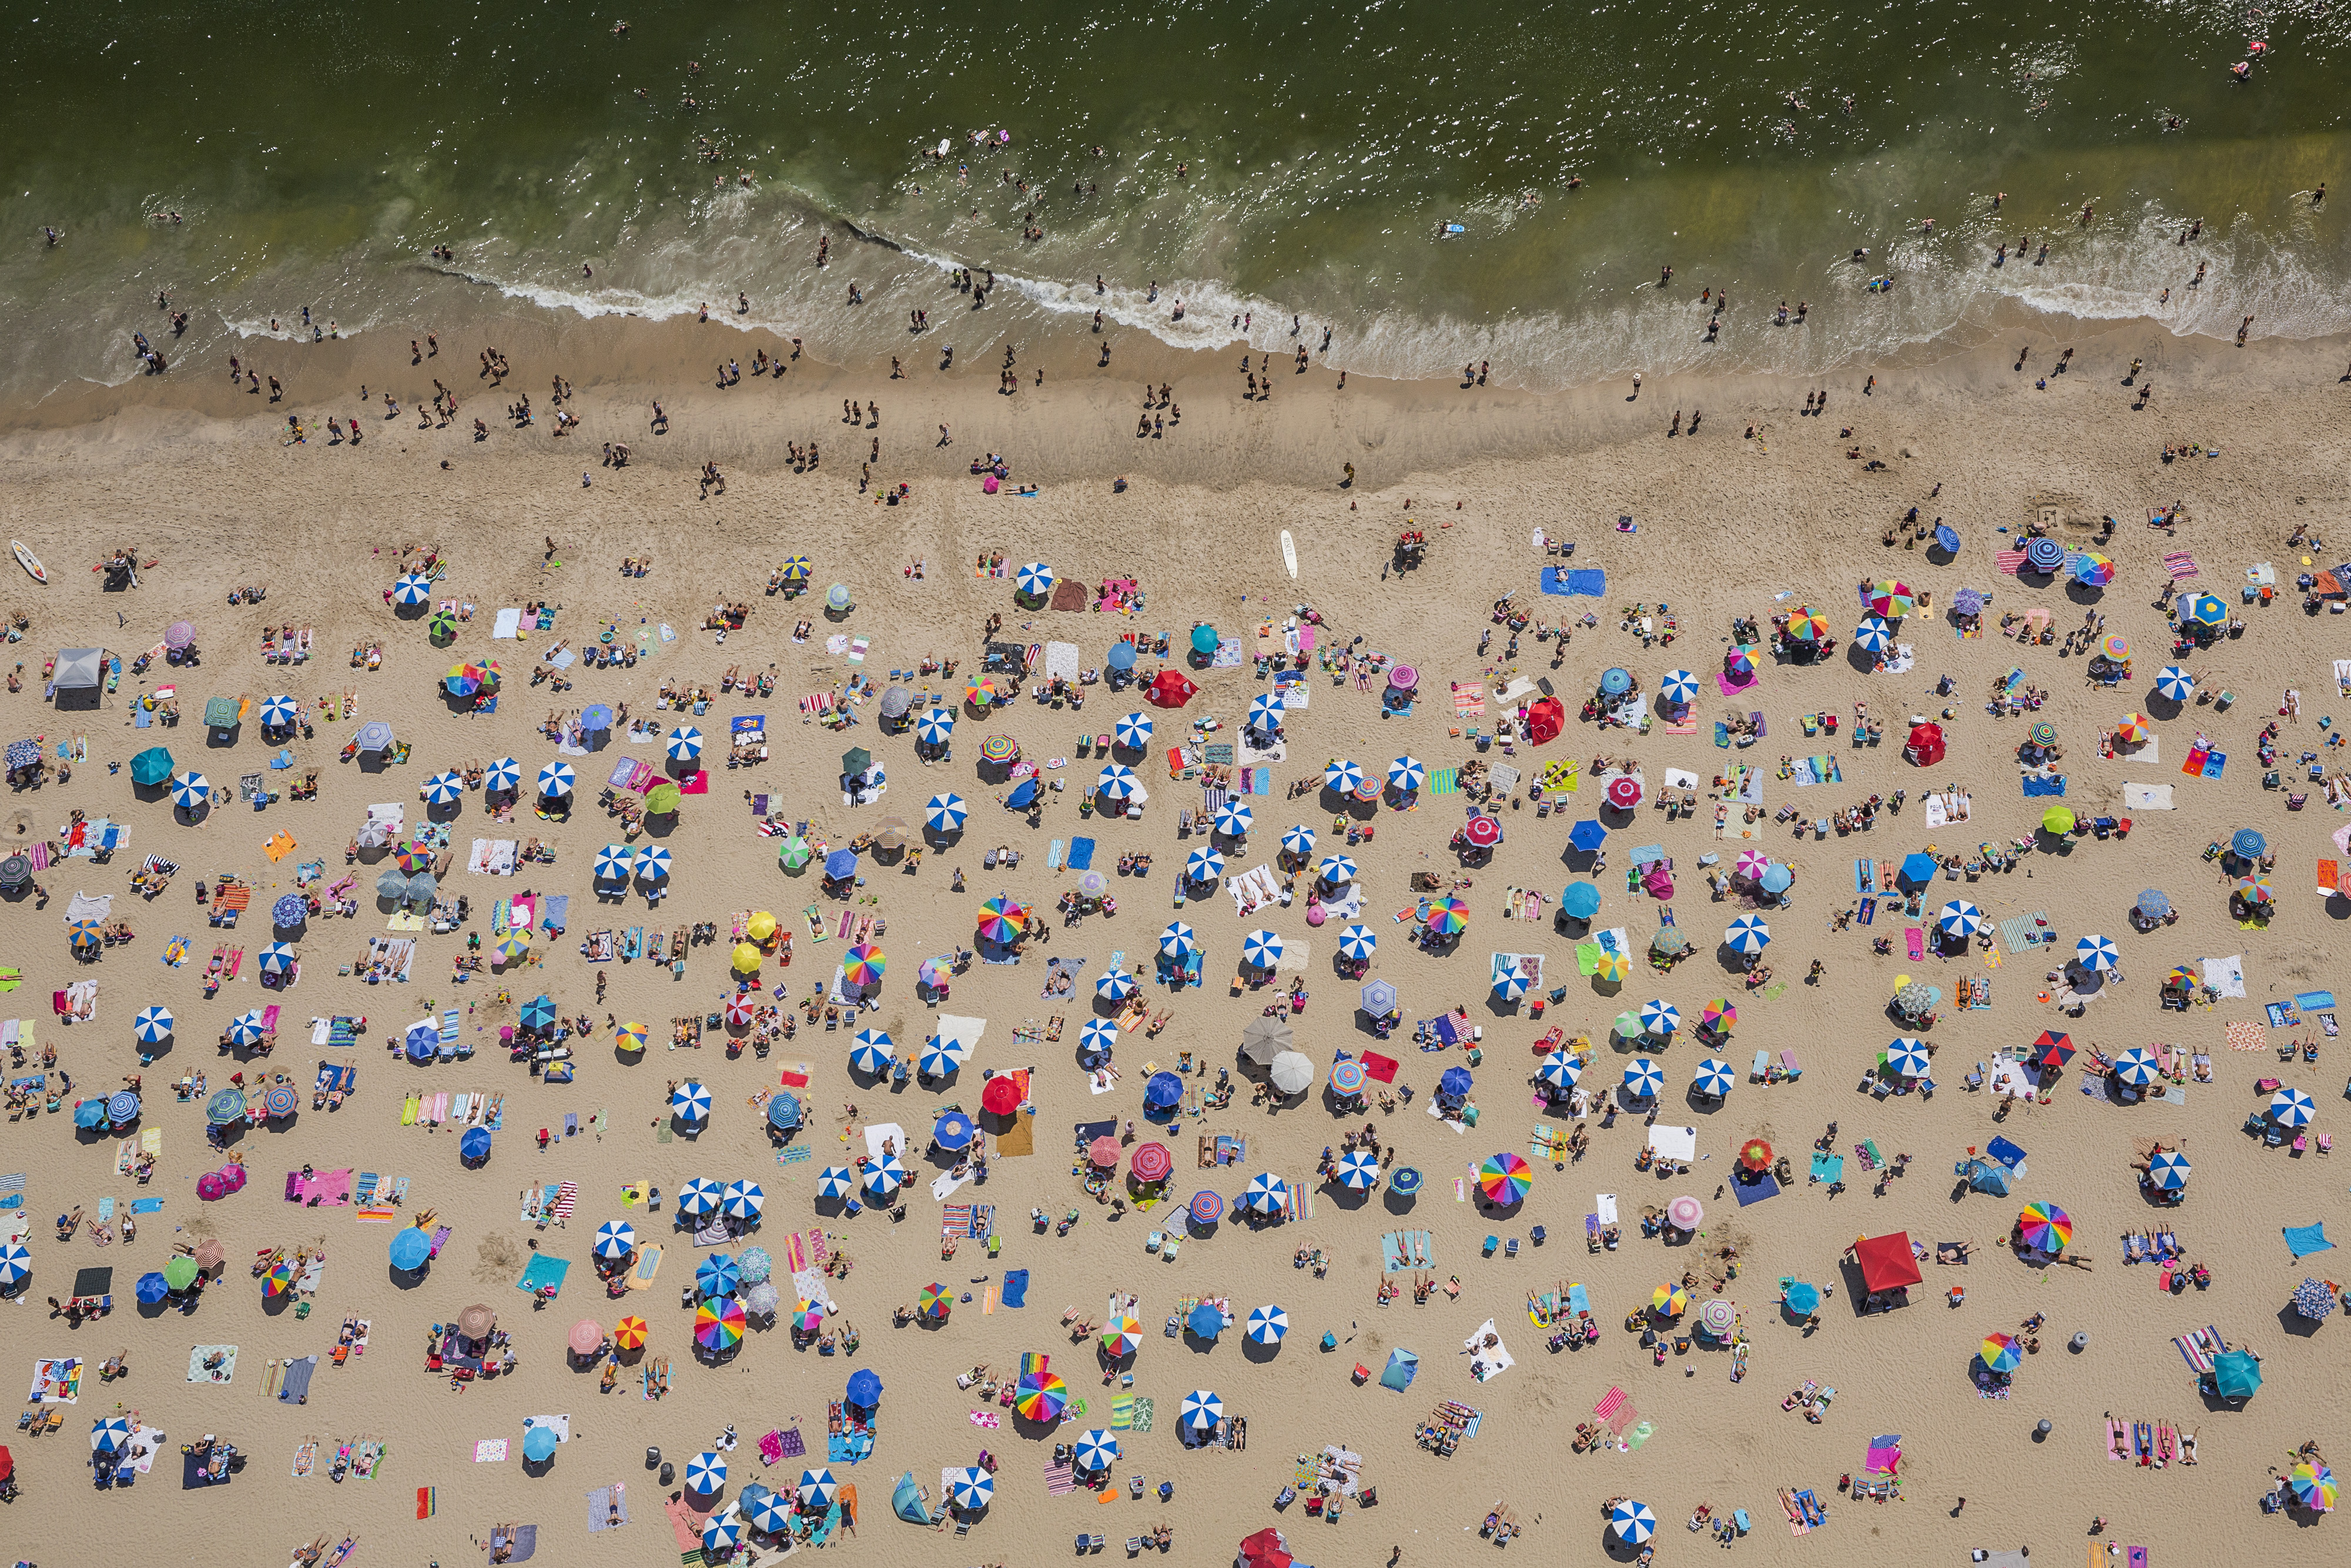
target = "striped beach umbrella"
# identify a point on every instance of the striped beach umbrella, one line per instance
(716, 1276)
(2116, 648)
(1670, 1300)
(941, 1056)
(883, 1177)
(1117, 782)
(1960, 919)
(1002, 919)
(1908, 1058)
(863, 965)
(2206, 609)
(1098, 1036)
(1717, 1015)
(722, 1532)
(690, 1102)
(699, 1197)
(556, 779)
(796, 568)
(935, 727)
(1176, 940)
(411, 588)
(1265, 713)
(817, 1488)
(1407, 774)
(1806, 625)
(280, 712)
(1040, 1396)
(2314, 1486)
(653, 864)
(1748, 934)
(765, 1511)
(1358, 943)
(1504, 1178)
(506, 773)
(1714, 1078)
(1035, 580)
(971, 1488)
(1345, 777)
(685, 743)
(1873, 635)
(1891, 600)
(1266, 1193)
(1234, 820)
(744, 1200)
(718, 1326)
(1267, 1325)
(1335, 870)
(16, 1263)
(1114, 985)
(2174, 684)
(1660, 1019)
(1203, 866)
(1643, 1078)
(1207, 1208)
(2137, 1067)
(1132, 731)
(2095, 953)
(1298, 839)
(246, 1029)
(2168, 1171)
(1122, 1336)
(1510, 984)
(1632, 1523)
(706, 1473)
(946, 814)
(1201, 1410)
(2046, 1227)
(615, 1240)
(1560, 1071)
(152, 1026)
(1261, 950)
(2092, 569)
(614, 861)
(1678, 689)
(1359, 1170)
(1097, 1450)
(2134, 729)
(630, 1036)
(190, 789)
(2000, 1353)
(835, 1182)
(2292, 1108)
(109, 1435)
(280, 1278)
(2255, 890)
(1448, 917)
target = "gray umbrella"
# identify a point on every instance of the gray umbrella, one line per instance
(895, 702)
(375, 735)
(393, 884)
(421, 887)
(1264, 1040)
(1291, 1072)
(1915, 1000)
(16, 871)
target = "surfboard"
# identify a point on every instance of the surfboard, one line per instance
(39, 573)
(1289, 554)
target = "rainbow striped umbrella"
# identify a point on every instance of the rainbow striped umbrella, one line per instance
(863, 965)
(1890, 598)
(2314, 1486)
(1737, 663)
(1807, 624)
(2117, 648)
(980, 691)
(1002, 919)
(1448, 917)
(718, 1326)
(2255, 890)
(2000, 1353)
(1122, 1337)
(2092, 569)
(1348, 1077)
(1670, 1300)
(1504, 1178)
(1040, 1396)
(2134, 729)
(279, 1279)
(2046, 1227)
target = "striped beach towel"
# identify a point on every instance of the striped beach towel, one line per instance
(1059, 1478)
(1468, 701)
(2180, 564)
(566, 1196)
(1609, 1403)
(2008, 561)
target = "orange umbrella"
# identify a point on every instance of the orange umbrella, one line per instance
(1755, 1155)
(631, 1333)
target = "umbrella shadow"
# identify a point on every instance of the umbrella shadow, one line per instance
(1859, 660)
(1349, 1198)
(1398, 1203)
(2295, 1324)
(1257, 1354)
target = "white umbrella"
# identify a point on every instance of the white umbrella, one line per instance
(685, 743)
(1358, 942)
(1405, 775)
(1261, 950)
(1714, 1078)
(1292, 1072)
(2095, 953)
(1203, 866)
(946, 814)
(1267, 1325)
(1748, 934)
(1233, 820)
(1132, 731)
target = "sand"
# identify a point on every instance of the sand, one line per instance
(200, 478)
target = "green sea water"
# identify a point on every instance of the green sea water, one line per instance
(1400, 172)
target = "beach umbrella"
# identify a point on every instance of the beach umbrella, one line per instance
(1718, 1016)
(2314, 1486)
(1291, 1072)
(1260, 949)
(1234, 820)
(2236, 1375)
(2205, 610)
(151, 767)
(1685, 1213)
(817, 1489)
(1454, 1084)
(2255, 890)
(1405, 775)
(2248, 844)
(279, 1279)
(1298, 839)
(2092, 569)
(2095, 953)
(1748, 934)
(1511, 985)
(2313, 1299)
(1122, 1336)
(152, 1026)
(556, 779)
(246, 1029)
(180, 1272)
(784, 1112)
(884, 1177)
(109, 1435)
(277, 958)
(718, 1276)
(835, 1182)
(1448, 917)
(1803, 1300)
(934, 728)
(587, 1338)
(837, 596)
(1560, 1071)
(1960, 919)
(1482, 830)
(2044, 554)
(1891, 600)
(280, 713)
(1714, 1078)
(1175, 940)
(796, 568)
(277, 1104)
(1267, 1325)
(2292, 1107)
(1643, 1078)
(506, 773)
(1265, 713)
(653, 864)
(706, 1473)
(1806, 625)
(690, 1102)
(1670, 1300)
(1616, 681)
(2174, 684)
(90, 1114)
(1632, 1521)
(1908, 1057)
(1678, 689)
(946, 814)
(630, 1035)
(411, 588)
(2000, 1353)
(2057, 820)
(1578, 900)
(1624, 792)
(2168, 1171)
(1114, 985)
(2134, 729)
(1504, 1178)
(150, 1290)
(1378, 998)
(767, 1512)
(1914, 1000)
(721, 1532)
(1201, 1411)
(863, 965)
(225, 1107)
(1717, 1317)
(1358, 1170)
(1358, 943)
(1002, 919)
(1098, 1449)
(1737, 664)
(871, 1050)
(122, 1105)
(1040, 1396)
(744, 1200)
(1002, 1097)
(699, 1196)
(1099, 1035)
(1336, 871)
(1343, 777)
(971, 1487)
(16, 1266)
(718, 1326)
(1132, 732)
(942, 1055)
(2046, 1227)
(1118, 782)
(2137, 1067)
(979, 691)
(1266, 1193)
(463, 680)
(1873, 636)
(1151, 1163)
(615, 1240)
(1034, 581)
(411, 1249)
(614, 861)
(1660, 1017)
(685, 743)
(190, 789)
(2116, 647)
(1919, 869)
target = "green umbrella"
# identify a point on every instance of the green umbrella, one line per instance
(444, 624)
(1629, 1026)
(855, 760)
(151, 766)
(222, 712)
(180, 1273)
(662, 800)
(795, 853)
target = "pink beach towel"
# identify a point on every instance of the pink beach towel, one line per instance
(1918, 941)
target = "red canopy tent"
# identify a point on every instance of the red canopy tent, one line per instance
(1170, 688)
(1925, 746)
(1886, 1262)
(1264, 1550)
(1545, 720)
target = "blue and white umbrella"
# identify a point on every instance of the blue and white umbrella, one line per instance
(1204, 864)
(1035, 580)
(1908, 1058)
(1267, 1325)
(1358, 943)
(442, 788)
(1714, 1078)
(884, 1177)
(1960, 919)
(110, 1435)
(613, 862)
(767, 1510)
(1405, 775)
(685, 743)
(556, 779)
(2137, 1067)
(946, 814)
(280, 713)
(1660, 1017)
(1266, 1193)
(1132, 731)
(1509, 985)
(700, 1195)
(971, 1488)
(152, 1026)
(1097, 1450)
(190, 789)
(1359, 1170)
(1177, 941)
(876, 1040)
(1265, 713)
(1098, 1035)
(1632, 1521)
(653, 864)
(817, 1488)
(1873, 635)
(1118, 782)
(706, 1473)
(1114, 985)
(689, 1102)
(942, 1057)
(1298, 839)
(1748, 934)
(1234, 820)
(506, 773)
(870, 1060)
(277, 958)
(1201, 1411)
(935, 727)
(836, 1181)
(1345, 777)
(1261, 949)
(411, 588)
(1560, 1071)
(1680, 688)
(1643, 1078)
(246, 1028)
(2096, 953)
(1336, 871)
(16, 1263)
(2292, 1107)
(744, 1200)
(2169, 1171)
(2175, 684)
(615, 1240)
(722, 1532)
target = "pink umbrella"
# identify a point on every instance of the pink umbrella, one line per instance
(1624, 792)
(233, 1177)
(1103, 1153)
(1658, 883)
(1403, 678)
(1152, 1162)
(1752, 863)
(1484, 832)
(1685, 1213)
(209, 1187)
(586, 1337)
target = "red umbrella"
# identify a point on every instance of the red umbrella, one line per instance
(1000, 1098)
(1152, 1162)
(1483, 832)
(1170, 688)
(1624, 792)
(740, 1012)
(1545, 720)
(1264, 1550)
(1103, 1153)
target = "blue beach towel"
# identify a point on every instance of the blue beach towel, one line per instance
(2305, 1239)
(543, 1271)
(2044, 784)
(1015, 1287)
(1588, 580)
(1081, 853)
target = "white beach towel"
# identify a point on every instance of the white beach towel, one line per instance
(506, 624)
(2147, 797)
(2226, 975)
(1674, 1143)
(1487, 1362)
(891, 1130)
(1604, 1204)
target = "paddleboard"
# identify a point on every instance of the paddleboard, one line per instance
(1289, 554)
(39, 573)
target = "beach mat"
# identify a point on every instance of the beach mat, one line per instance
(1020, 1138)
(1015, 1287)
(1762, 1187)
(602, 1505)
(296, 1390)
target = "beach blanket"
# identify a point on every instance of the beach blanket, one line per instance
(2180, 564)
(296, 1390)
(1828, 1168)
(1755, 1189)
(1488, 1362)
(2043, 784)
(608, 1508)
(2305, 1239)
(543, 1271)
(1015, 1287)
(199, 1354)
(1568, 581)
(2146, 796)
(2226, 975)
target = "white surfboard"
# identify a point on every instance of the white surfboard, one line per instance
(1289, 554)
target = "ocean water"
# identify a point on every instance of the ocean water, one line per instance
(1433, 184)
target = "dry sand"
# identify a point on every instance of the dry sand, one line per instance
(200, 479)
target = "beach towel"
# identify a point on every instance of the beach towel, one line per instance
(2180, 564)
(2146, 796)
(1081, 853)
(543, 1270)
(2044, 783)
(1569, 581)
(1755, 1190)
(1828, 1168)
(296, 1390)
(1015, 1287)
(2303, 1240)
(608, 1508)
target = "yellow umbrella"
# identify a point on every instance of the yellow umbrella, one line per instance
(1613, 968)
(1672, 1300)
(632, 1037)
(746, 959)
(2134, 729)
(762, 927)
